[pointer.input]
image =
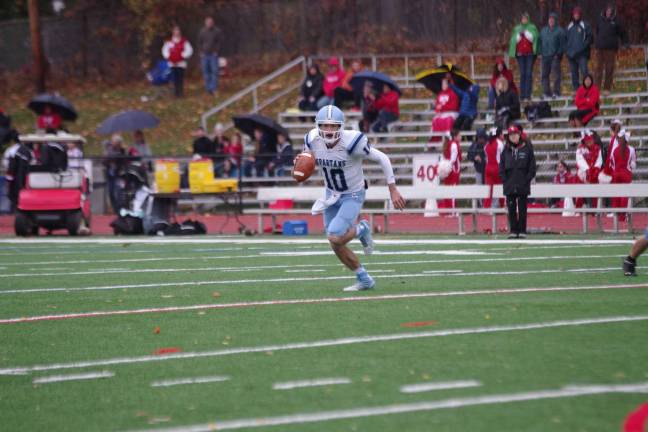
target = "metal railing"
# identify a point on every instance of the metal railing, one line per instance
(253, 91)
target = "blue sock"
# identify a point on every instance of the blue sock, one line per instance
(360, 270)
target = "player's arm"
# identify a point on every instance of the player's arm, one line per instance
(382, 159)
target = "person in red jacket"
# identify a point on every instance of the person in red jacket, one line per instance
(386, 107)
(446, 109)
(622, 161)
(589, 161)
(49, 119)
(500, 70)
(451, 152)
(493, 150)
(332, 80)
(587, 102)
(176, 52)
(233, 150)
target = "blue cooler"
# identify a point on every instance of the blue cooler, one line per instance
(295, 227)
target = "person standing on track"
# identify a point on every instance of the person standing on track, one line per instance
(339, 154)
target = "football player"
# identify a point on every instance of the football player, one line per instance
(339, 154)
(630, 262)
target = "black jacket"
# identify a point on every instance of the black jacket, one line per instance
(313, 86)
(508, 99)
(608, 32)
(204, 146)
(477, 149)
(517, 168)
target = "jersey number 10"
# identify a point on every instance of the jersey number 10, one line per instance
(335, 180)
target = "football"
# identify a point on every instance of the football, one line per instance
(304, 167)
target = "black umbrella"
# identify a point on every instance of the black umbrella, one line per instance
(126, 121)
(376, 78)
(246, 123)
(432, 78)
(58, 104)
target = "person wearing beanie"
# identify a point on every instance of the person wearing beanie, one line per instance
(609, 31)
(523, 45)
(551, 47)
(579, 40)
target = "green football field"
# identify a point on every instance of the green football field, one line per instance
(229, 333)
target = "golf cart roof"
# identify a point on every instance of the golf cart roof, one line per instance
(60, 137)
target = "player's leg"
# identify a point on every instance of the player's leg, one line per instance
(630, 262)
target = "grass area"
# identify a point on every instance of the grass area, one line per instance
(444, 323)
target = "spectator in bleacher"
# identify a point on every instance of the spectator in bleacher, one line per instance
(589, 160)
(202, 146)
(493, 151)
(551, 47)
(621, 163)
(344, 95)
(49, 120)
(451, 151)
(74, 155)
(476, 154)
(141, 149)
(115, 165)
(446, 109)
(369, 114)
(608, 31)
(507, 104)
(386, 108)
(210, 40)
(311, 89)
(579, 40)
(283, 161)
(523, 45)
(615, 128)
(563, 176)
(176, 51)
(587, 102)
(332, 80)
(467, 107)
(265, 148)
(499, 71)
(233, 150)
(517, 169)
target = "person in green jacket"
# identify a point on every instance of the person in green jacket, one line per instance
(551, 47)
(524, 47)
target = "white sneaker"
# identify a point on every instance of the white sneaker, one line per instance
(365, 237)
(365, 282)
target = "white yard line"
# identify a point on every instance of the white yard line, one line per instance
(433, 386)
(326, 343)
(453, 403)
(73, 377)
(355, 299)
(290, 385)
(448, 273)
(453, 252)
(305, 241)
(192, 380)
(301, 271)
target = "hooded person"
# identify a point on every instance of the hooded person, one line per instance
(523, 45)
(517, 168)
(476, 154)
(577, 48)
(589, 159)
(609, 31)
(587, 101)
(551, 47)
(311, 88)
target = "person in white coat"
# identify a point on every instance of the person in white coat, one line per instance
(176, 51)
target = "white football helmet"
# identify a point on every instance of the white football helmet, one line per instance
(330, 115)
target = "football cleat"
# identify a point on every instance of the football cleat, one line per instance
(513, 236)
(365, 237)
(629, 266)
(365, 282)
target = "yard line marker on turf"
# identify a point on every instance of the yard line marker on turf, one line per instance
(73, 377)
(195, 380)
(289, 385)
(432, 386)
(453, 403)
(448, 273)
(327, 343)
(208, 306)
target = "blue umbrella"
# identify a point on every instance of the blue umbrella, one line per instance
(127, 121)
(376, 78)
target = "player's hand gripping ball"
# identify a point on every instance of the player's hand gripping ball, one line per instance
(304, 167)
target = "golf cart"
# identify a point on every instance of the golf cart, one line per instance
(56, 194)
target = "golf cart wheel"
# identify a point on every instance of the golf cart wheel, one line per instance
(23, 225)
(73, 222)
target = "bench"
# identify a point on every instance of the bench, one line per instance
(380, 195)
